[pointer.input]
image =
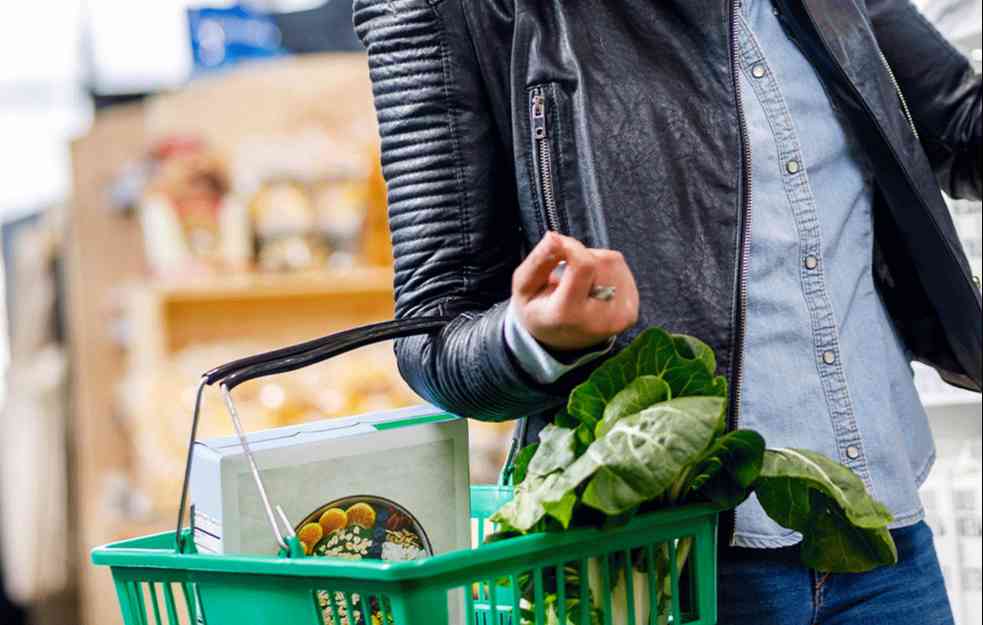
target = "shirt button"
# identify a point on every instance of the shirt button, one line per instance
(852, 452)
(792, 166)
(811, 262)
(758, 71)
(829, 357)
(976, 281)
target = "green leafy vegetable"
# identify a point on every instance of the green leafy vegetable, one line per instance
(727, 471)
(551, 600)
(643, 391)
(844, 529)
(643, 454)
(636, 461)
(684, 363)
(695, 349)
(521, 462)
(528, 506)
(556, 451)
(647, 431)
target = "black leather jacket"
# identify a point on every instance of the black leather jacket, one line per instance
(616, 122)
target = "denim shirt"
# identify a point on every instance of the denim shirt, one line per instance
(824, 367)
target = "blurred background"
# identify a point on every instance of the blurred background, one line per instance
(183, 182)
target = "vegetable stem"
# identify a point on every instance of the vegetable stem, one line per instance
(665, 598)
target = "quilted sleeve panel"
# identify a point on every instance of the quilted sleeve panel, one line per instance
(452, 208)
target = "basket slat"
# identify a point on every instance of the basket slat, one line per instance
(525, 581)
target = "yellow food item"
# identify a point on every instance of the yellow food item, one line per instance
(362, 514)
(333, 519)
(307, 548)
(311, 534)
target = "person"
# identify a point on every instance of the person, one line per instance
(764, 175)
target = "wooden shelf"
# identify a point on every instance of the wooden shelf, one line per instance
(106, 263)
(103, 250)
(332, 282)
(169, 316)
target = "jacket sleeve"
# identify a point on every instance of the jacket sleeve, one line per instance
(452, 209)
(941, 89)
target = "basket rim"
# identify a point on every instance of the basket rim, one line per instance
(156, 552)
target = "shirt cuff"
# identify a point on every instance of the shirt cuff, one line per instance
(535, 359)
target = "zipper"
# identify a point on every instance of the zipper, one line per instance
(543, 164)
(897, 89)
(744, 253)
(543, 155)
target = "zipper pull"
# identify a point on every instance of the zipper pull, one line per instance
(538, 114)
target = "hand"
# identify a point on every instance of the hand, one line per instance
(558, 310)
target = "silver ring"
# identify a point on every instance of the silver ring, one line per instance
(603, 293)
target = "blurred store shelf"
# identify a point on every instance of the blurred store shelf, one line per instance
(249, 286)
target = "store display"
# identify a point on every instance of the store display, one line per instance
(937, 499)
(292, 202)
(387, 485)
(952, 499)
(299, 226)
(967, 505)
(33, 420)
(159, 401)
(309, 194)
(305, 121)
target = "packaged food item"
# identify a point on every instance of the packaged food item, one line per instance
(388, 485)
(284, 223)
(301, 225)
(182, 206)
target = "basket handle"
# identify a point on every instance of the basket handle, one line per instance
(290, 358)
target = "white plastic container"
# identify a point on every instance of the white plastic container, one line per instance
(415, 458)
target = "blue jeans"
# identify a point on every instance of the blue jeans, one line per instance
(771, 587)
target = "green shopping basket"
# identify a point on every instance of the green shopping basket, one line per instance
(658, 569)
